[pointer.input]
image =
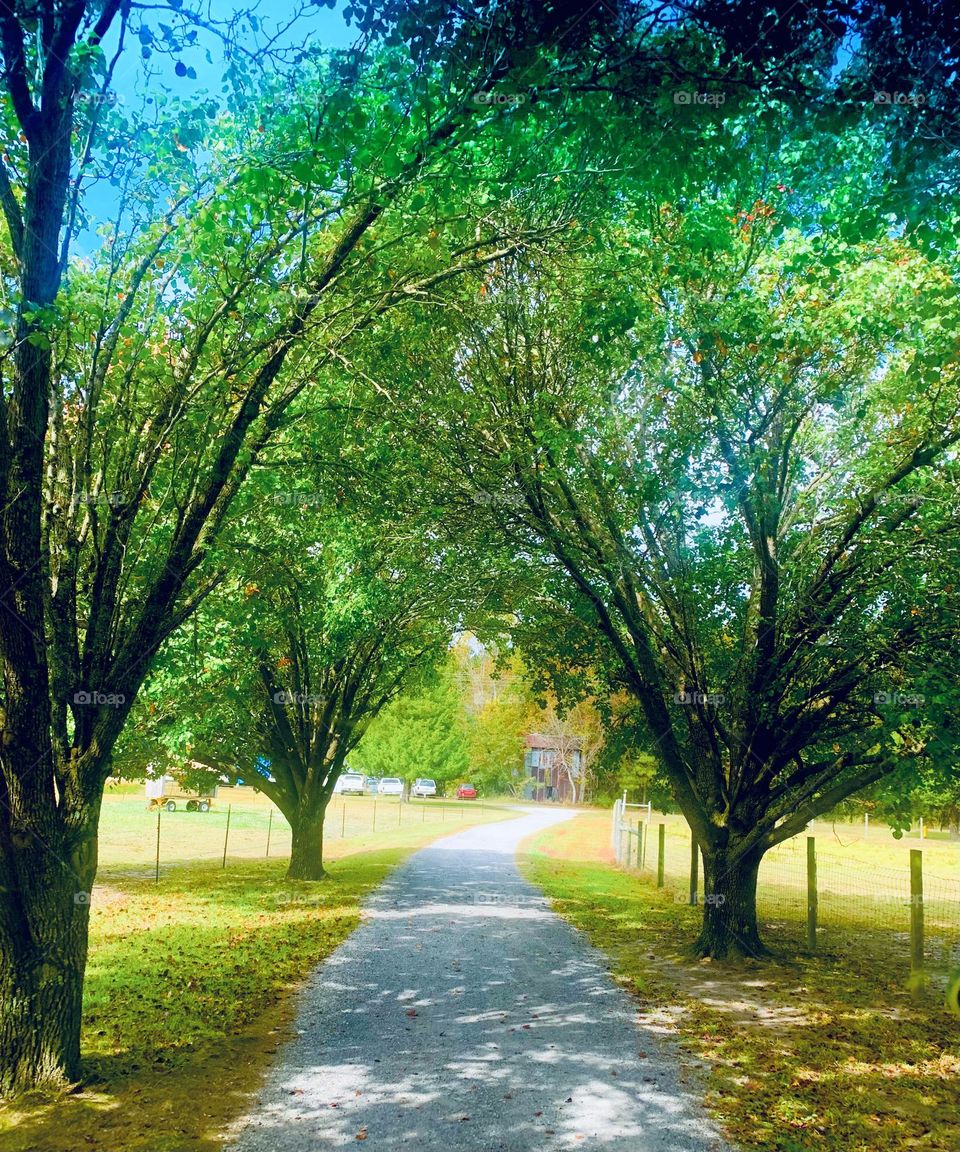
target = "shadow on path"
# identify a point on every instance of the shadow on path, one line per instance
(463, 1014)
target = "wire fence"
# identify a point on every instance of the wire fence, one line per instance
(242, 825)
(899, 901)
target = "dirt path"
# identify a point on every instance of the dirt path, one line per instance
(463, 1015)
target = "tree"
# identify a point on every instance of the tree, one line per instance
(578, 735)
(731, 446)
(318, 627)
(142, 383)
(497, 704)
(420, 734)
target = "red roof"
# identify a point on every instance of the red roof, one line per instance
(538, 740)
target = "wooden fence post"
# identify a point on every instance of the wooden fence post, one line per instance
(269, 830)
(226, 836)
(615, 831)
(694, 867)
(661, 853)
(916, 913)
(811, 893)
(157, 873)
(618, 834)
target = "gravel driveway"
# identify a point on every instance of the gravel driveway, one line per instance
(464, 1015)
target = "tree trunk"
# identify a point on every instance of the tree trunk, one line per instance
(44, 922)
(306, 854)
(729, 900)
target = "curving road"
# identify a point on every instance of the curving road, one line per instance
(464, 1016)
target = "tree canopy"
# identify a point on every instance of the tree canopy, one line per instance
(725, 432)
(629, 329)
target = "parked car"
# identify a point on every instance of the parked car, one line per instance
(390, 786)
(466, 792)
(423, 787)
(371, 785)
(350, 784)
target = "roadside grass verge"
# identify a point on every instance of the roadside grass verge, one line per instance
(190, 987)
(823, 1053)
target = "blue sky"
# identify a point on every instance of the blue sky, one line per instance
(136, 77)
(319, 24)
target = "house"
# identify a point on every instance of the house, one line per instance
(552, 767)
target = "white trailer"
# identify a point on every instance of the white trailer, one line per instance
(169, 793)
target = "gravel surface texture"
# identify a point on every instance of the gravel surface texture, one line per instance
(464, 1015)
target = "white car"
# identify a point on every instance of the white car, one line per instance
(423, 787)
(350, 783)
(390, 786)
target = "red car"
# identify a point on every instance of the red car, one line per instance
(466, 792)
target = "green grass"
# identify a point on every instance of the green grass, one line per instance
(805, 1054)
(190, 984)
(861, 882)
(128, 831)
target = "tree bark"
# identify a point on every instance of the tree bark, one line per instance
(306, 854)
(44, 922)
(729, 929)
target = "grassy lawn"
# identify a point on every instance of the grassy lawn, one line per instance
(128, 831)
(862, 882)
(829, 1053)
(190, 986)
